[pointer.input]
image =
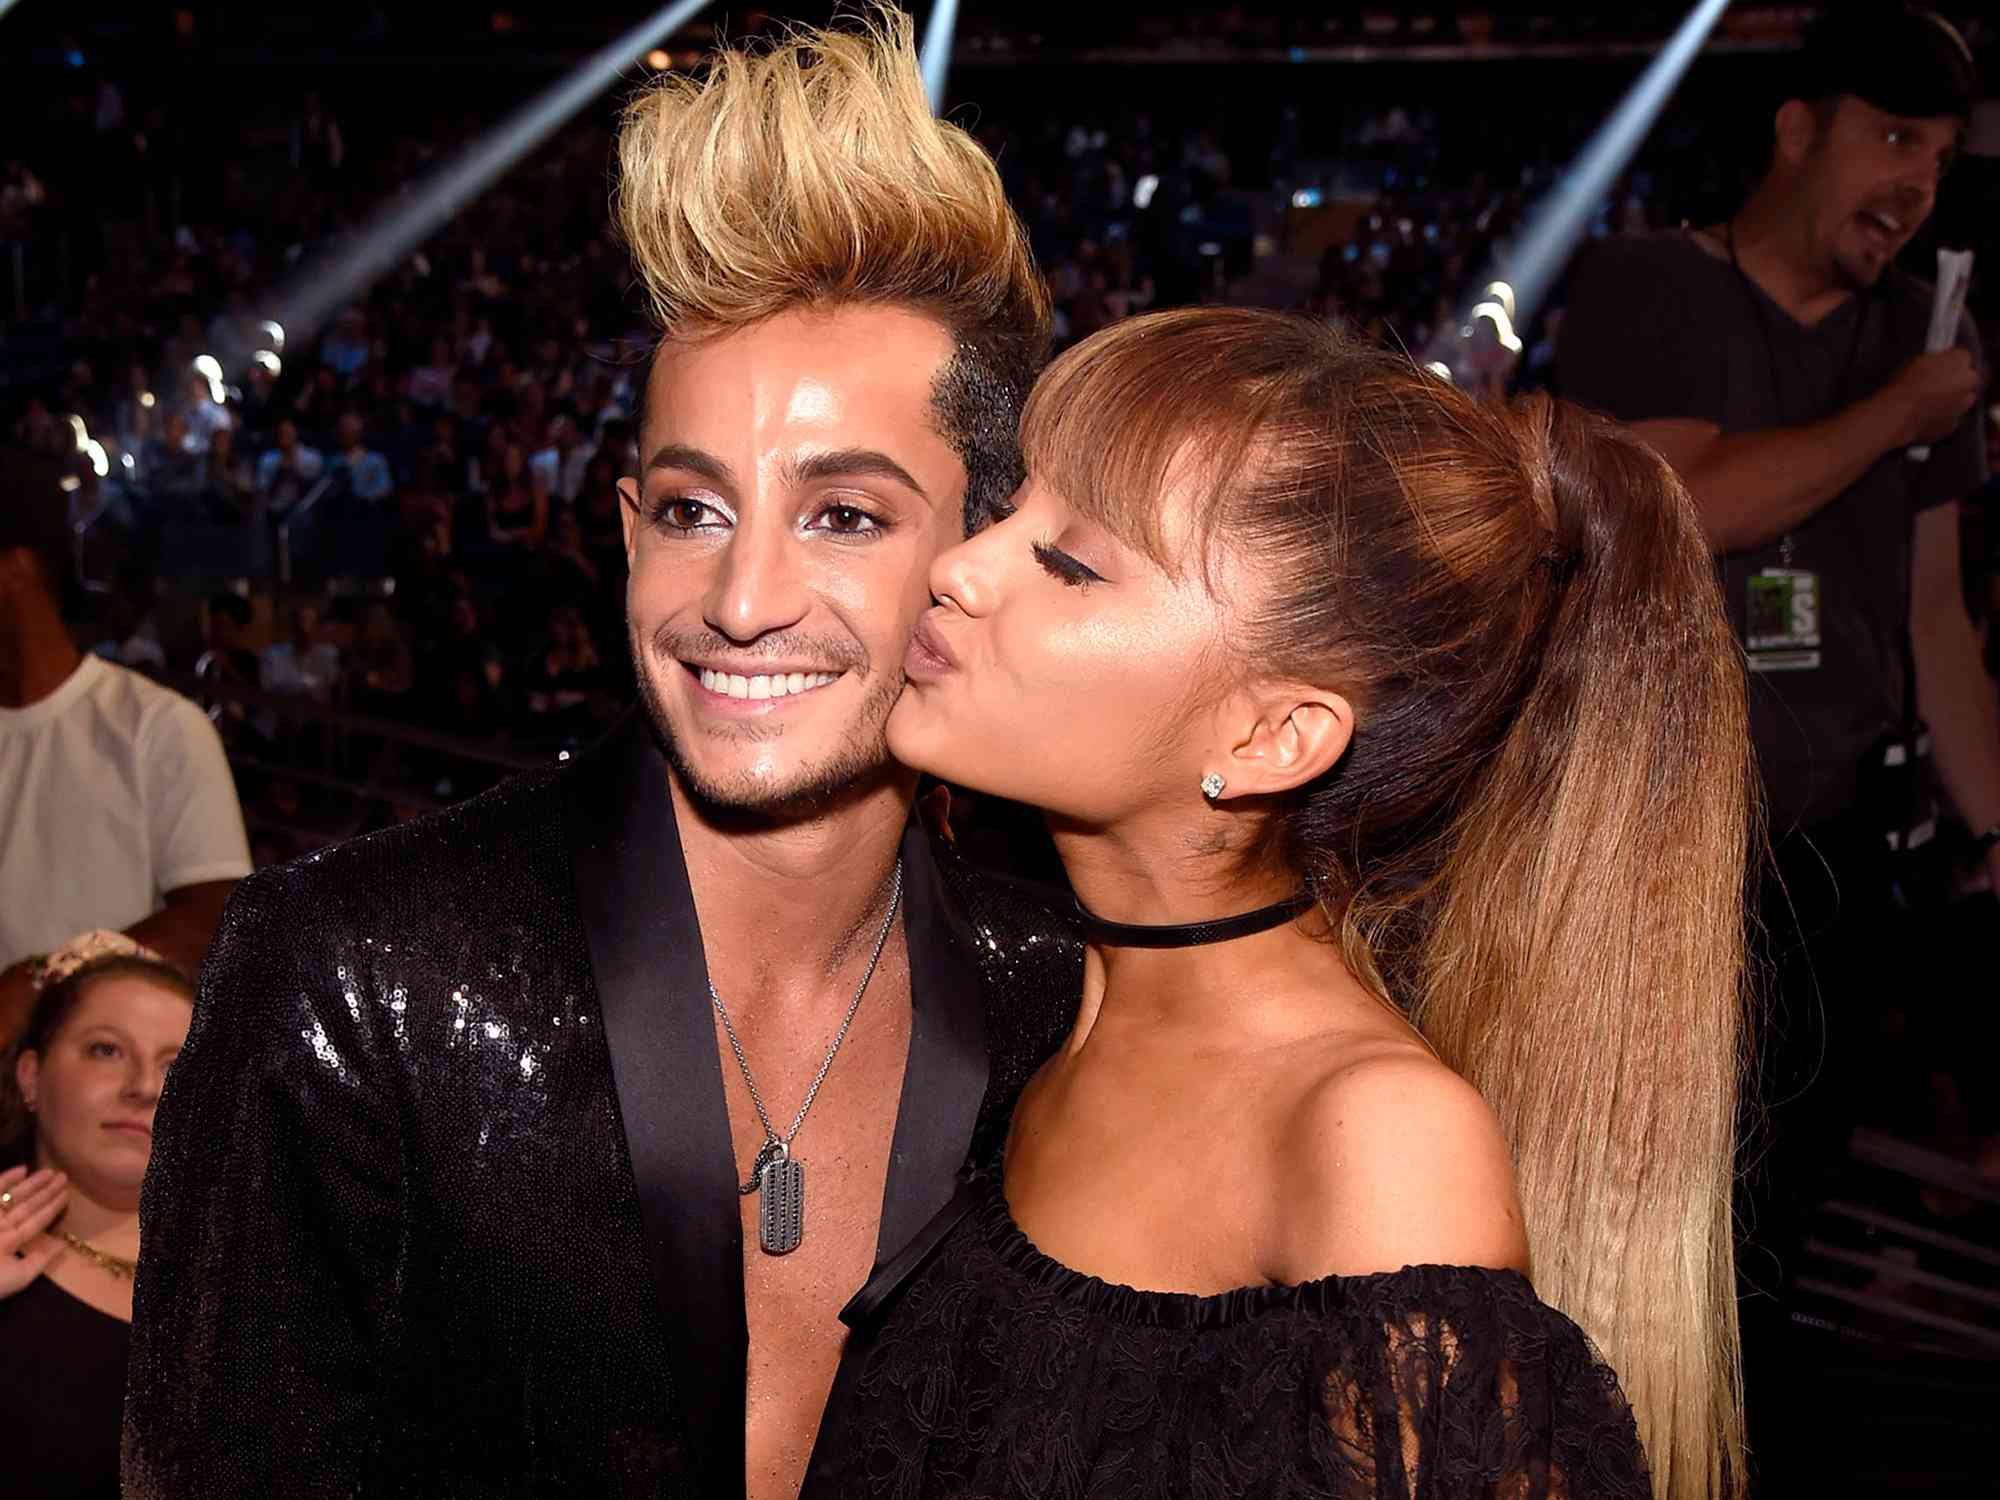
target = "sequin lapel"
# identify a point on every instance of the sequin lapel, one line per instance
(646, 958)
(945, 1078)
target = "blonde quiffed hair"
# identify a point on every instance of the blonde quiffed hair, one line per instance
(813, 173)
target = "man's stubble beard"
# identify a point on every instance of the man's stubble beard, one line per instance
(1859, 280)
(857, 765)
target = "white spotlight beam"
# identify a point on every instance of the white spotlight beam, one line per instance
(935, 57)
(338, 275)
(1559, 220)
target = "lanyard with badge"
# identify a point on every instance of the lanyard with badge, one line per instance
(1785, 604)
(1781, 629)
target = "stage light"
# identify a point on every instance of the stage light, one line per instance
(147, 399)
(935, 58)
(69, 484)
(275, 332)
(1503, 326)
(268, 360)
(210, 369)
(1143, 190)
(658, 60)
(81, 432)
(343, 272)
(100, 462)
(1559, 221)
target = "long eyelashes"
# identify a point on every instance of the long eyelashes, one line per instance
(1061, 565)
(662, 512)
(684, 513)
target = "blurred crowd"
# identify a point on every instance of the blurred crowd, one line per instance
(412, 516)
(411, 513)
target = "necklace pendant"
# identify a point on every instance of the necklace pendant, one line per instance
(781, 1204)
(771, 1150)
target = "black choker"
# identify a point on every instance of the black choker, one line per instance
(1191, 934)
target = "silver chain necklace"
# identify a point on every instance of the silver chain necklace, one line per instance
(776, 1176)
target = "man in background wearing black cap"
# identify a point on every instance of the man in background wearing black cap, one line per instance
(1777, 360)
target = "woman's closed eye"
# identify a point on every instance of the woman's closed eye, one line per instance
(1060, 565)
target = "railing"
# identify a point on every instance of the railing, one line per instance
(299, 706)
(292, 517)
(353, 755)
(1878, 1264)
(80, 530)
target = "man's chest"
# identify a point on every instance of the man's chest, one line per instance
(841, 1154)
(1774, 370)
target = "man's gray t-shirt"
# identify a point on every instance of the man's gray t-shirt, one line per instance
(1658, 327)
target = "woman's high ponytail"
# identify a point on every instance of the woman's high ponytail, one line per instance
(1582, 961)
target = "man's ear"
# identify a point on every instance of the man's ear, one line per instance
(628, 516)
(1795, 128)
(19, 573)
(1286, 736)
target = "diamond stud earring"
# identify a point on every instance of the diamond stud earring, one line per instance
(1211, 786)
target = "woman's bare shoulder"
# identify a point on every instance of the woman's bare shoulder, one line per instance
(1390, 1159)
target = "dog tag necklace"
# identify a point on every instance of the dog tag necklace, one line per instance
(777, 1177)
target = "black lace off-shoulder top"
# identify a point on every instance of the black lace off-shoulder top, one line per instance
(992, 1371)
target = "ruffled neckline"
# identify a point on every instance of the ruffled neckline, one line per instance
(1328, 1294)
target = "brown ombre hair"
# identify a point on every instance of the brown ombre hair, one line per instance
(1535, 845)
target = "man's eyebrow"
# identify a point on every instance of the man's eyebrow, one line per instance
(694, 460)
(852, 463)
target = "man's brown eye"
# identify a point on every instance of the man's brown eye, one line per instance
(678, 513)
(848, 520)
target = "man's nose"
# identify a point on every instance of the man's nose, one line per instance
(759, 585)
(1916, 191)
(1919, 196)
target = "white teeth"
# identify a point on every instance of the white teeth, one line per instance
(774, 685)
